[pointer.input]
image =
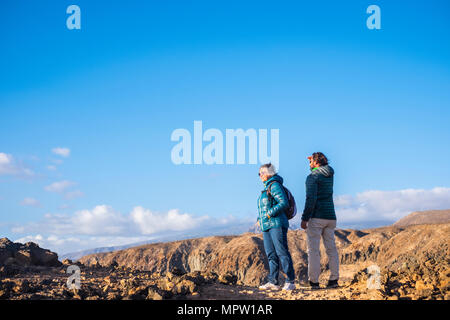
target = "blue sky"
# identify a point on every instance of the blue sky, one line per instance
(377, 102)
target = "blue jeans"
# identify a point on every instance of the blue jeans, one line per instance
(276, 247)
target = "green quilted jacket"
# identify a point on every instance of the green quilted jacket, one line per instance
(319, 194)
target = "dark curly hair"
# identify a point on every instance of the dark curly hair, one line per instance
(320, 158)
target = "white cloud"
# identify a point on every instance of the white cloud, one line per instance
(100, 220)
(103, 226)
(104, 220)
(9, 166)
(59, 186)
(63, 152)
(375, 205)
(5, 159)
(51, 167)
(150, 222)
(30, 202)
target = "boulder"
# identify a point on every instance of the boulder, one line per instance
(28, 254)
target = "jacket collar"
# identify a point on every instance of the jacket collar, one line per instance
(275, 177)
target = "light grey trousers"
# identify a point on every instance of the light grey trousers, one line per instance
(321, 228)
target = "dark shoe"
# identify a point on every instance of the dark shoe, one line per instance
(310, 286)
(332, 284)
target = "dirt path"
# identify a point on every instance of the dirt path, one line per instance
(227, 292)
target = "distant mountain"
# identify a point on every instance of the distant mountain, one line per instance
(172, 236)
(78, 254)
(424, 217)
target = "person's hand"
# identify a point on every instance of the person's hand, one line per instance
(304, 224)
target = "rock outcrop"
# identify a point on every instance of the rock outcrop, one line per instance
(28, 254)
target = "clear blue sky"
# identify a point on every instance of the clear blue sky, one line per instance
(377, 102)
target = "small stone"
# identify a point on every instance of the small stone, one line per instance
(154, 295)
(185, 287)
(227, 278)
(113, 296)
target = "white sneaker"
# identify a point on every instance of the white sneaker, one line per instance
(269, 286)
(289, 286)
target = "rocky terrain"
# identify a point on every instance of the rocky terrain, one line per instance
(411, 262)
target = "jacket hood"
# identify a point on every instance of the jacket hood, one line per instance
(275, 177)
(326, 171)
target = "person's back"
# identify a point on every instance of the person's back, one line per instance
(319, 219)
(319, 185)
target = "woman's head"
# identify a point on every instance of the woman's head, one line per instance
(266, 171)
(317, 159)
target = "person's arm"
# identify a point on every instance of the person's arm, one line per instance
(311, 197)
(282, 202)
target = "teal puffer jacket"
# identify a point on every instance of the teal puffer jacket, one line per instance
(271, 213)
(319, 194)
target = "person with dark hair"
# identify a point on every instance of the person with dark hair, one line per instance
(272, 219)
(319, 220)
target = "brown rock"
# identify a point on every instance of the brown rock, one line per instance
(154, 295)
(141, 290)
(184, 287)
(165, 284)
(28, 254)
(21, 286)
(23, 257)
(228, 278)
(113, 296)
(4, 294)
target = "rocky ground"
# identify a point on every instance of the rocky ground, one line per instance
(118, 283)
